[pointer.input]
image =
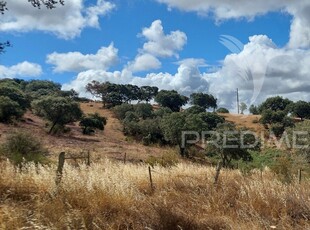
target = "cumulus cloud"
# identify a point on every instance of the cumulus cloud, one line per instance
(144, 62)
(23, 69)
(226, 9)
(76, 61)
(161, 45)
(65, 21)
(260, 70)
(158, 45)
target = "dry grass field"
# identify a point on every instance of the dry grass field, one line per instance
(111, 195)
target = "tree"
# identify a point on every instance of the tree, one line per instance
(58, 110)
(301, 109)
(91, 122)
(195, 109)
(15, 94)
(277, 121)
(243, 107)
(9, 109)
(147, 93)
(171, 99)
(275, 104)
(203, 100)
(222, 110)
(254, 110)
(143, 110)
(226, 144)
(121, 110)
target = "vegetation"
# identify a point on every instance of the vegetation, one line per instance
(58, 110)
(91, 122)
(9, 109)
(22, 147)
(203, 100)
(243, 107)
(222, 110)
(171, 99)
(111, 195)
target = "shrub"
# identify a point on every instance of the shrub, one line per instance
(9, 109)
(143, 110)
(21, 146)
(91, 122)
(121, 110)
(195, 109)
(222, 110)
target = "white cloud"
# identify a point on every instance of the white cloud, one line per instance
(158, 45)
(227, 9)
(76, 61)
(65, 21)
(144, 62)
(161, 45)
(260, 70)
(23, 69)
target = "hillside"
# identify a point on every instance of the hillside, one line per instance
(109, 143)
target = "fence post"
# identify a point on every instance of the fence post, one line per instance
(125, 158)
(61, 162)
(217, 174)
(88, 158)
(299, 175)
(151, 180)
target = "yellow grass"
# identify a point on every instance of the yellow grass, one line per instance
(111, 195)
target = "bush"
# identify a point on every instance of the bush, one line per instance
(9, 109)
(143, 110)
(121, 110)
(23, 147)
(91, 122)
(195, 109)
(222, 110)
(161, 112)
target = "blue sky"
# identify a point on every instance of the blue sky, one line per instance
(168, 43)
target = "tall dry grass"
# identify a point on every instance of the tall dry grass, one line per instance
(111, 195)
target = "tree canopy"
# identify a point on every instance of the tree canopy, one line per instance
(58, 110)
(171, 99)
(203, 100)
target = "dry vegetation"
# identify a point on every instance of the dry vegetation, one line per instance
(111, 195)
(109, 143)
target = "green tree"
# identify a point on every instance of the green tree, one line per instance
(15, 94)
(195, 109)
(254, 110)
(9, 109)
(147, 93)
(275, 104)
(226, 144)
(143, 110)
(277, 121)
(161, 112)
(91, 122)
(58, 110)
(301, 109)
(203, 100)
(121, 110)
(171, 99)
(243, 107)
(222, 110)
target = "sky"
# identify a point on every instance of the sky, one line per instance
(211, 46)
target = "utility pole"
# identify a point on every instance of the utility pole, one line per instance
(238, 105)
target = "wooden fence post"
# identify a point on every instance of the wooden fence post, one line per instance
(299, 175)
(125, 158)
(151, 180)
(61, 162)
(217, 174)
(88, 158)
